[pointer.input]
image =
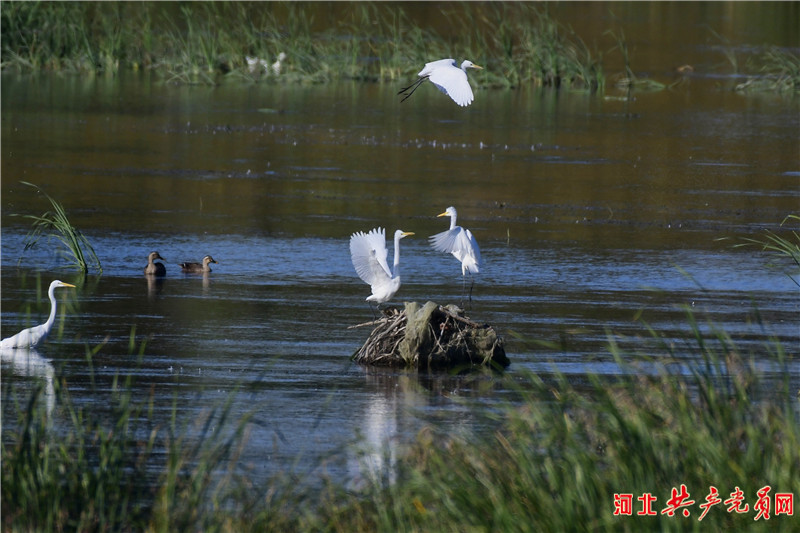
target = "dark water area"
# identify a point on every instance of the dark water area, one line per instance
(593, 213)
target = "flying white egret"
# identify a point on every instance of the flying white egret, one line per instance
(461, 243)
(31, 337)
(448, 78)
(198, 267)
(368, 252)
(155, 269)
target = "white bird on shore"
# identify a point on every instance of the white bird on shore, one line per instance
(254, 62)
(276, 66)
(368, 253)
(448, 78)
(31, 337)
(461, 243)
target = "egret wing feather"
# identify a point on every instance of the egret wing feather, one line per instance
(453, 82)
(368, 253)
(26, 338)
(471, 260)
(446, 240)
(462, 244)
(434, 65)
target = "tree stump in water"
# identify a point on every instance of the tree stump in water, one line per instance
(430, 337)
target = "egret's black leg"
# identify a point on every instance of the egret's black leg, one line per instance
(404, 89)
(471, 286)
(464, 289)
(415, 85)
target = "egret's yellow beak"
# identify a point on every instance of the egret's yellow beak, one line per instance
(407, 233)
(476, 66)
(443, 214)
(67, 285)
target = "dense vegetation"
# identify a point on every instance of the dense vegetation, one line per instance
(208, 42)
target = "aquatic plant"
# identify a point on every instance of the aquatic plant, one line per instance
(779, 71)
(726, 48)
(778, 68)
(629, 80)
(55, 223)
(783, 246)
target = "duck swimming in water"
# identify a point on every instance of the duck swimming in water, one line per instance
(198, 267)
(155, 269)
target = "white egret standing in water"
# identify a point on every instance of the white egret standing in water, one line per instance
(31, 337)
(448, 78)
(368, 253)
(461, 243)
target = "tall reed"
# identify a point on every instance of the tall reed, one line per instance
(55, 223)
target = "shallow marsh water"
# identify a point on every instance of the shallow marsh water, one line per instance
(591, 213)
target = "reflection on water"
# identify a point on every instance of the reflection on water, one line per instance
(27, 362)
(591, 214)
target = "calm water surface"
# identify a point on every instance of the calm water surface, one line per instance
(592, 213)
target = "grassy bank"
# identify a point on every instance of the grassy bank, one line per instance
(561, 454)
(208, 42)
(203, 42)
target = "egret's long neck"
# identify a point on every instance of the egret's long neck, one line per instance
(396, 268)
(51, 293)
(452, 221)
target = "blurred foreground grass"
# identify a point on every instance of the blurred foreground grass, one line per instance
(560, 455)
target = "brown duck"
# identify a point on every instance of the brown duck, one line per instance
(155, 269)
(198, 267)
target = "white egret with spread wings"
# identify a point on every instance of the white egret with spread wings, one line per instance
(461, 243)
(368, 253)
(448, 78)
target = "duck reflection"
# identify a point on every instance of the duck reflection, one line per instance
(154, 286)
